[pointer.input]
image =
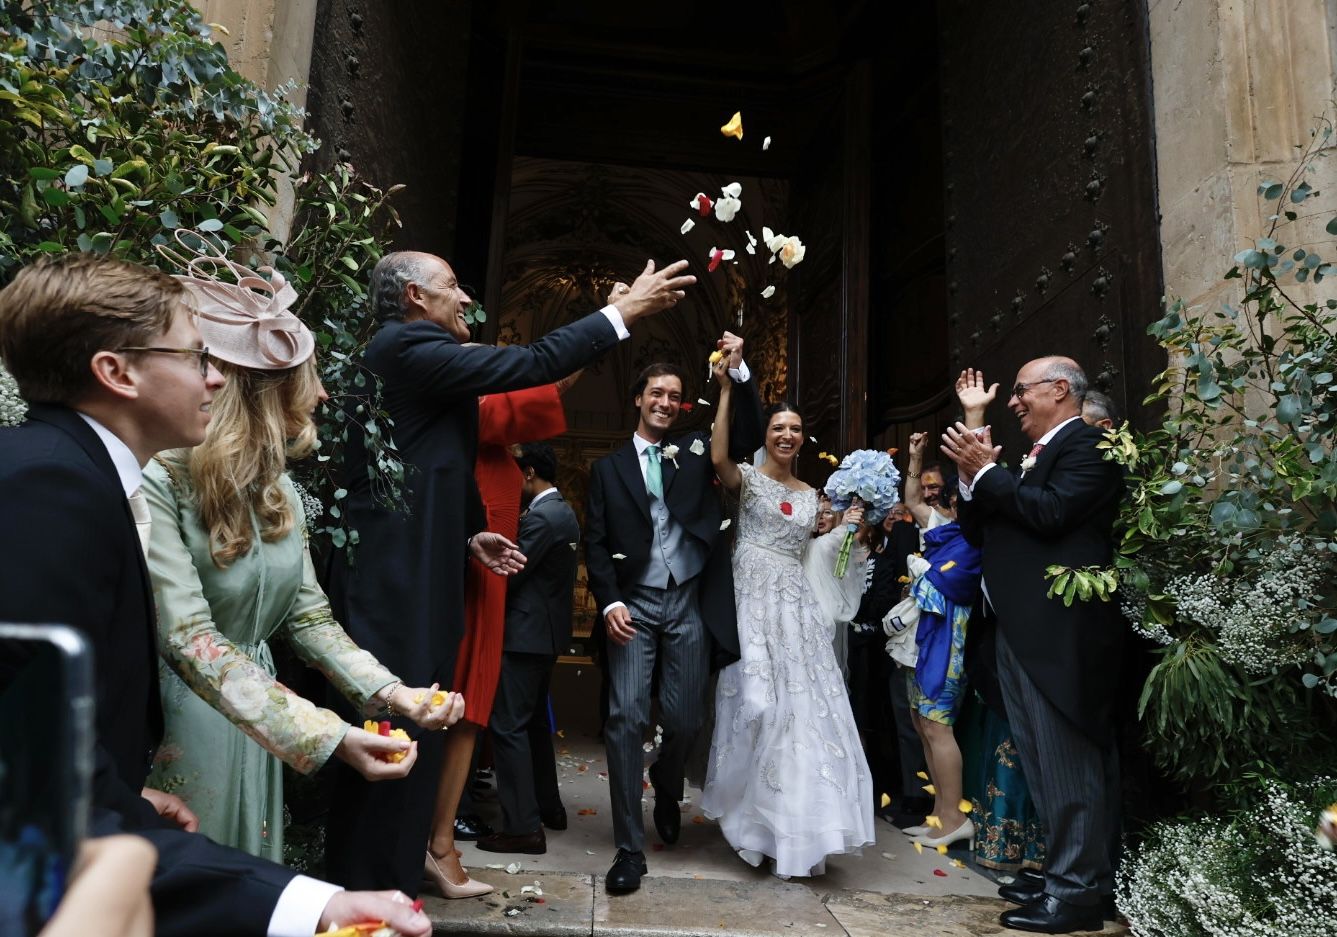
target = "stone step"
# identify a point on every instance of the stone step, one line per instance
(666, 906)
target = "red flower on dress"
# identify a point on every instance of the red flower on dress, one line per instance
(786, 508)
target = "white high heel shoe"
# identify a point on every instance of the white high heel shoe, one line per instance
(965, 831)
(917, 830)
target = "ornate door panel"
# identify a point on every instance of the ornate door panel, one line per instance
(1052, 238)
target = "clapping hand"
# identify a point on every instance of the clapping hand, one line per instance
(497, 553)
(970, 450)
(652, 291)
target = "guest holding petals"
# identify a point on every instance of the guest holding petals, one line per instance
(228, 557)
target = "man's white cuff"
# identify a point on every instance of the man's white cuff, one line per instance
(612, 606)
(740, 374)
(614, 317)
(297, 913)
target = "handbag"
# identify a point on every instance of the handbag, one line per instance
(902, 621)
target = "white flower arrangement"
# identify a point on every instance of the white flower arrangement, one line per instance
(670, 452)
(1258, 875)
(1028, 463)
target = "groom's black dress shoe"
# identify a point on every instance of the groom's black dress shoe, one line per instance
(470, 827)
(1049, 915)
(668, 816)
(625, 875)
(1023, 893)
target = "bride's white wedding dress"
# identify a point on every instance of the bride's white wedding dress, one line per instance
(787, 776)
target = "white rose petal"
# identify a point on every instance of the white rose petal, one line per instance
(750, 249)
(697, 447)
(792, 251)
(767, 235)
(726, 208)
(619, 556)
(768, 292)
(733, 190)
(724, 524)
(728, 254)
(750, 239)
(571, 545)
(687, 225)
(513, 868)
(766, 144)
(703, 401)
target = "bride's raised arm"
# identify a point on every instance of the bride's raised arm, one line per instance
(725, 467)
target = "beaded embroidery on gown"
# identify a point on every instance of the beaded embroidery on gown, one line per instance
(787, 776)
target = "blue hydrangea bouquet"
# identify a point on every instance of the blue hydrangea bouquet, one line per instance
(869, 476)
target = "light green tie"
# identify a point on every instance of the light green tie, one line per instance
(654, 478)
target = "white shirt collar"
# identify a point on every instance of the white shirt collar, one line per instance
(642, 444)
(128, 469)
(541, 495)
(1044, 440)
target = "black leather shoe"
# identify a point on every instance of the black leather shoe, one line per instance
(471, 827)
(1020, 892)
(534, 844)
(1049, 915)
(668, 816)
(1032, 878)
(625, 875)
(554, 820)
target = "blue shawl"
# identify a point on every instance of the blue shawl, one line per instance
(945, 593)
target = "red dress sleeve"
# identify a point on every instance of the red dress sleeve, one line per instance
(520, 416)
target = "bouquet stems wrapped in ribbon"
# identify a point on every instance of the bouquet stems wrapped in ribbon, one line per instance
(870, 477)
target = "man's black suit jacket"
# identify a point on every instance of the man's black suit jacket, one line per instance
(538, 598)
(1061, 513)
(617, 519)
(70, 554)
(403, 598)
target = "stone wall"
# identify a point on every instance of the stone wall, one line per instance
(1237, 86)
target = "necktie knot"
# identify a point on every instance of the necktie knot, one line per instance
(1036, 449)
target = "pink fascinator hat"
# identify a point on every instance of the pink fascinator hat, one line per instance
(243, 315)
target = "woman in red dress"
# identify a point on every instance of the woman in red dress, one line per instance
(503, 420)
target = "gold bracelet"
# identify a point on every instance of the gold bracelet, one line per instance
(389, 707)
(910, 474)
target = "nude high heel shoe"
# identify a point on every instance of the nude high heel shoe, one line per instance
(467, 889)
(965, 831)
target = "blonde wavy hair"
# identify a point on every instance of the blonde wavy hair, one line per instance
(260, 420)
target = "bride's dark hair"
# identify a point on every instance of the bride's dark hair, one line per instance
(781, 406)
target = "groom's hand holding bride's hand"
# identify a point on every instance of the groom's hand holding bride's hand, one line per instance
(618, 623)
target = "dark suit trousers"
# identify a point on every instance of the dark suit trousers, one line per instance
(1075, 784)
(522, 742)
(669, 628)
(376, 834)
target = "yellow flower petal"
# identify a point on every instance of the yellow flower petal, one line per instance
(933, 822)
(942, 849)
(946, 566)
(929, 788)
(734, 128)
(958, 863)
(886, 801)
(919, 847)
(965, 806)
(921, 775)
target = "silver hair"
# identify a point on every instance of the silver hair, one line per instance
(390, 278)
(1102, 406)
(1074, 375)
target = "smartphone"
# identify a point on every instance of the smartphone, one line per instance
(46, 768)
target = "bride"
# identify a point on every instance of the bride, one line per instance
(787, 776)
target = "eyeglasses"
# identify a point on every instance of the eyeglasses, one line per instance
(1018, 389)
(201, 353)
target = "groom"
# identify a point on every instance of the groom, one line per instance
(661, 576)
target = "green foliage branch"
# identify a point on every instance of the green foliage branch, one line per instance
(121, 122)
(1228, 539)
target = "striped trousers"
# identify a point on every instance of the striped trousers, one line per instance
(1074, 782)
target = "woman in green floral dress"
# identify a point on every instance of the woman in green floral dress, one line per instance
(228, 556)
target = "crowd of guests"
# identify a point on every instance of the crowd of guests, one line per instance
(164, 411)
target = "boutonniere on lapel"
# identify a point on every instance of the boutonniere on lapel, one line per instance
(786, 508)
(697, 447)
(1028, 463)
(670, 452)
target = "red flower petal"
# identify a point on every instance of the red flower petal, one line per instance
(686, 406)
(704, 205)
(786, 508)
(384, 727)
(716, 256)
(940, 873)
